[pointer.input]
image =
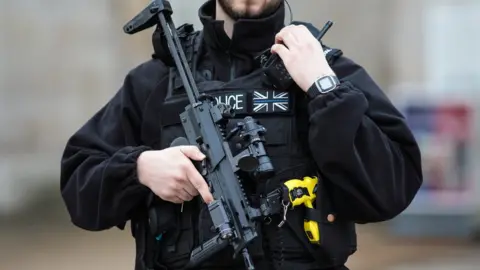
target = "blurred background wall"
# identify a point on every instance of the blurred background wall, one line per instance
(60, 61)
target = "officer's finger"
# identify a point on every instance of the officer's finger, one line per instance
(186, 184)
(192, 152)
(174, 199)
(281, 50)
(192, 191)
(178, 200)
(302, 31)
(184, 195)
(287, 38)
(199, 183)
(279, 36)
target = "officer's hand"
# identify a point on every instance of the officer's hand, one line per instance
(171, 175)
(302, 55)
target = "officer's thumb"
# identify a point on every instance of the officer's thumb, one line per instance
(192, 152)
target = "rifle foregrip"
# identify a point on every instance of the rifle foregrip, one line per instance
(205, 251)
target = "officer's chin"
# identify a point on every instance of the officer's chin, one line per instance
(252, 13)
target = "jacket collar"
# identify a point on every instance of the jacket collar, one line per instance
(249, 35)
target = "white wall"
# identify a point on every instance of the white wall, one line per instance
(57, 64)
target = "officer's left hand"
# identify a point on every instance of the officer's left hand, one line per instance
(302, 55)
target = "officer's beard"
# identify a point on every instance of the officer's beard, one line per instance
(269, 8)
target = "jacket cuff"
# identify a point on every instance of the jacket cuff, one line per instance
(132, 157)
(324, 100)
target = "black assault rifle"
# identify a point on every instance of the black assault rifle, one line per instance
(205, 125)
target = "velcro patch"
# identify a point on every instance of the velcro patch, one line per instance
(270, 101)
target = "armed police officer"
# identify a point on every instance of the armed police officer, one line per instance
(333, 127)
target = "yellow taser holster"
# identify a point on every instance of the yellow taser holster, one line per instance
(304, 192)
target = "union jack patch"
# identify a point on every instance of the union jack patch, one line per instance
(271, 101)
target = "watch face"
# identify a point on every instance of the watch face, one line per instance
(326, 84)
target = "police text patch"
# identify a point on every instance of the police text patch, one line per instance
(237, 100)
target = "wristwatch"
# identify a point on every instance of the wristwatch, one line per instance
(323, 85)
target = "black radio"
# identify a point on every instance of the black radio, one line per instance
(274, 68)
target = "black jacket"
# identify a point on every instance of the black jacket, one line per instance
(360, 142)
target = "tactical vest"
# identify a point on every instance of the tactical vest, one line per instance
(285, 116)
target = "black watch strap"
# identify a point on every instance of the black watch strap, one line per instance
(323, 85)
(313, 92)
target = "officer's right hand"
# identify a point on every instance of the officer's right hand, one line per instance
(171, 175)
